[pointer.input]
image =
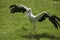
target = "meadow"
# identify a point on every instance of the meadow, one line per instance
(17, 27)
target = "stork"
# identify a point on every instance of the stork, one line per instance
(33, 18)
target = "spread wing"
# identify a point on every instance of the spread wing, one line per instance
(41, 16)
(53, 19)
(18, 8)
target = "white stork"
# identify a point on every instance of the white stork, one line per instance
(40, 17)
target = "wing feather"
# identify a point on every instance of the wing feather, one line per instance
(41, 16)
(18, 8)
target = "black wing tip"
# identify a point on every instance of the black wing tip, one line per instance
(57, 18)
(54, 21)
(56, 27)
(17, 8)
(11, 6)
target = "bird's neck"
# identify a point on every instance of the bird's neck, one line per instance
(29, 13)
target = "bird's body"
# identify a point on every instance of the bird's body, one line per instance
(33, 18)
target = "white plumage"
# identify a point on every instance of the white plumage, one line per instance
(33, 18)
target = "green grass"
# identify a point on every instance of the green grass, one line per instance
(17, 27)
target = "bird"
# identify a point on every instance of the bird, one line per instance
(33, 18)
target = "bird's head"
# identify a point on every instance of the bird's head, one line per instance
(29, 12)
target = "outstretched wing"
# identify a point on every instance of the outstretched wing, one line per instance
(18, 8)
(53, 19)
(41, 17)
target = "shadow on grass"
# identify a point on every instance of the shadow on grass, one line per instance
(44, 35)
(57, 0)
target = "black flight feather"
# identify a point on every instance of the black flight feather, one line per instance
(15, 8)
(52, 19)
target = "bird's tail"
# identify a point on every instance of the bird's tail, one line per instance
(54, 21)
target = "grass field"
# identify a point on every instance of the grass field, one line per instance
(17, 27)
